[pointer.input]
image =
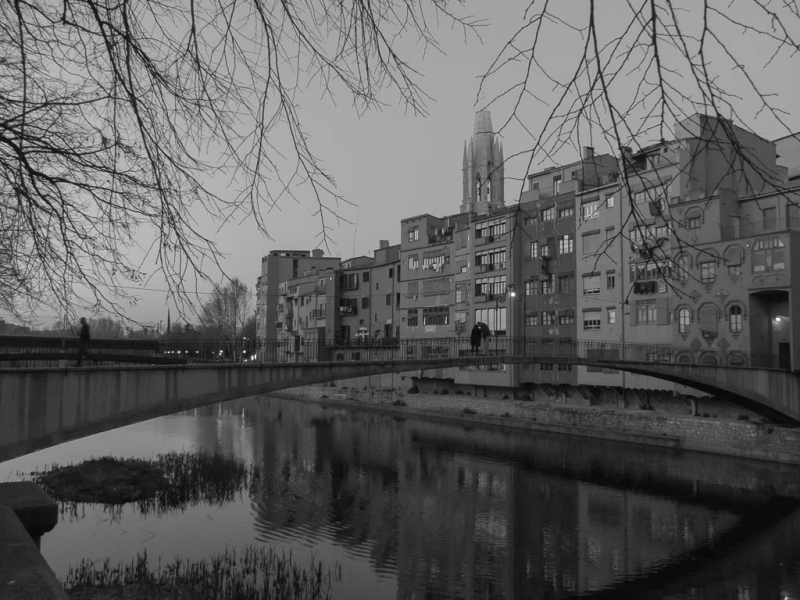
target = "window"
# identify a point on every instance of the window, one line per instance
(609, 201)
(564, 367)
(547, 367)
(460, 295)
(349, 281)
(531, 320)
(548, 214)
(557, 184)
(566, 212)
(413, 263)
(591, 284)
(547, 317)
(693, 219)
(768, 255)
(532, 185)
(735, 318)
(388, 299)
(490, 228)
(591, 320)
(566, 317)
(708, 272)
(684, 318)
(365, 276)
(413, 234)
(683, 263)
(530, 288)
(391, 272)
(646, 313)
(611, 281)
(490, 285)
(590, 210)
(413, 317)
(708, 316)
(591, 242)
(611, 314)
(566, 244)
(546, 286)
(436, 315)
(566, 284)
(494, 317)
(534, 249)
(365, 303)
(545, 249)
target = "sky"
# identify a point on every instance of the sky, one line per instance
(391, 164)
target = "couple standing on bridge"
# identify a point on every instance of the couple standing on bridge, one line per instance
(479, 331)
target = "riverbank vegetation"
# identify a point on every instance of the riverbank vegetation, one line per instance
(248, 574)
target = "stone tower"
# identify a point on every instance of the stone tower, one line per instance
(483, 168)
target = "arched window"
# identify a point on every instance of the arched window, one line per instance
(684, 358)
(708, 317)
(735, 318)
(684, 318)
(694, 218)
(709, 358)
(734, 257)
(488, 190)
(737, 359)
(478, 188)
(683, 263)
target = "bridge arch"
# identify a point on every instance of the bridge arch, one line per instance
(44, 407)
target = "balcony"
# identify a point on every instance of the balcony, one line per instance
(348, 311)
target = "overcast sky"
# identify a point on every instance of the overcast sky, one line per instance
(391, 165)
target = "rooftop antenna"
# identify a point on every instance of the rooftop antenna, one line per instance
(355, 233)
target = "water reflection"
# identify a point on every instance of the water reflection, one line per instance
(415, 509)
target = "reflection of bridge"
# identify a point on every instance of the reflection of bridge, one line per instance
(45, 406)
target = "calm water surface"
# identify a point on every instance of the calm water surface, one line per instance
(413, 509)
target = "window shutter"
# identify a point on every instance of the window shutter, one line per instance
(634, 315)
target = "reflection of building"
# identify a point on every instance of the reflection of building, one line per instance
(450, 514)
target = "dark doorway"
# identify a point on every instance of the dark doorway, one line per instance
(784, 356)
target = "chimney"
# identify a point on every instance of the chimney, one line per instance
(317, 253)
(588, 153)
(383, 244)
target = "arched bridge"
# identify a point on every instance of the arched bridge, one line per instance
(42, 406)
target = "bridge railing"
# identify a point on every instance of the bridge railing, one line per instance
(298, 350)
(40, 351)
(36, 351)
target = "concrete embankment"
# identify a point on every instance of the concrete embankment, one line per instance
(731, 437)
(26, 512)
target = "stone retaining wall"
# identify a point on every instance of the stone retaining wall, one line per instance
(721, 436)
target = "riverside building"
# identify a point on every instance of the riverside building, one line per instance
(684, 244)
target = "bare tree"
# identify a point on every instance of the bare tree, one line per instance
(627, 71)
(227, 310)
(115, 116)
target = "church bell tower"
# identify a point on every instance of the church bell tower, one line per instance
(483, 169)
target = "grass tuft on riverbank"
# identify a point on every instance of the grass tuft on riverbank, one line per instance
(248, 574)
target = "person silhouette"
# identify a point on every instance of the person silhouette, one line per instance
(475, 338)
(83, 340)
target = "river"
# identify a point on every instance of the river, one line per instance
(413, 509)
